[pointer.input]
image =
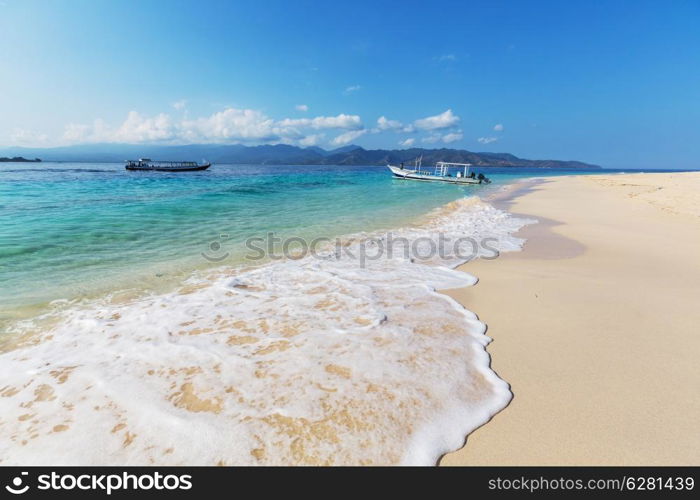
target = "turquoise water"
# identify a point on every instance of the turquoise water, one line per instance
(70, 230)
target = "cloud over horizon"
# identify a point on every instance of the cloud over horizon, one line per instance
(231, 125)
(248, 126)
(487, 140)
(452, 137)
(444, 120)
(383, 123)
(348, 137)
(28, 137)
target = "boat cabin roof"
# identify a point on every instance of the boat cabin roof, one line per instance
(148, 160)
(450, 164)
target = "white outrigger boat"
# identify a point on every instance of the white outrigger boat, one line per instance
(440, 173)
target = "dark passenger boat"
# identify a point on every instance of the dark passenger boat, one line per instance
(165, 166)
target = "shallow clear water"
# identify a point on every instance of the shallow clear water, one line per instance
(69, 230)
(326, 359)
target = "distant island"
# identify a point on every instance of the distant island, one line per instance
(18, 159)
(282, 154)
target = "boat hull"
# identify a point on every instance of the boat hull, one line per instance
(166, 169)
(413, 175)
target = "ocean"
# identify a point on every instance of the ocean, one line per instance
(143, 327)
(74, 230)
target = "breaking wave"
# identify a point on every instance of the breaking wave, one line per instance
(318, 360)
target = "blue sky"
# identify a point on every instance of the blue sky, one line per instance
(613, 83)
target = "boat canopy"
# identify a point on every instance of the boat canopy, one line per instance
(142, 162)
(442, 166)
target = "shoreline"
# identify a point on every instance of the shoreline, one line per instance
(305, 361)
(593, 325)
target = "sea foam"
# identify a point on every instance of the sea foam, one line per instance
(318, 360)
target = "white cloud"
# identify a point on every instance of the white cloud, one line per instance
(75, 132)
(447, 138)
(28, 137)
(136, 128)
(301, 107)
(351, 89)
(383, 123)
(180, 105)
(447, 57)
(498, 127)
(431, 139)
(311, 140)
(249, 126)
(139, 128)
(234, 125)
(97, 132)
(348, 137)
(487, 140)
(452, 137)
(350, 122)
(340, 121)
(230, 125)
(443, 120)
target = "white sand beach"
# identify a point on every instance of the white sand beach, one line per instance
(595, 325)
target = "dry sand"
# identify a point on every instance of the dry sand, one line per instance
(596, 325)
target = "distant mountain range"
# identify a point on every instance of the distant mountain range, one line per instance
(281, 154)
